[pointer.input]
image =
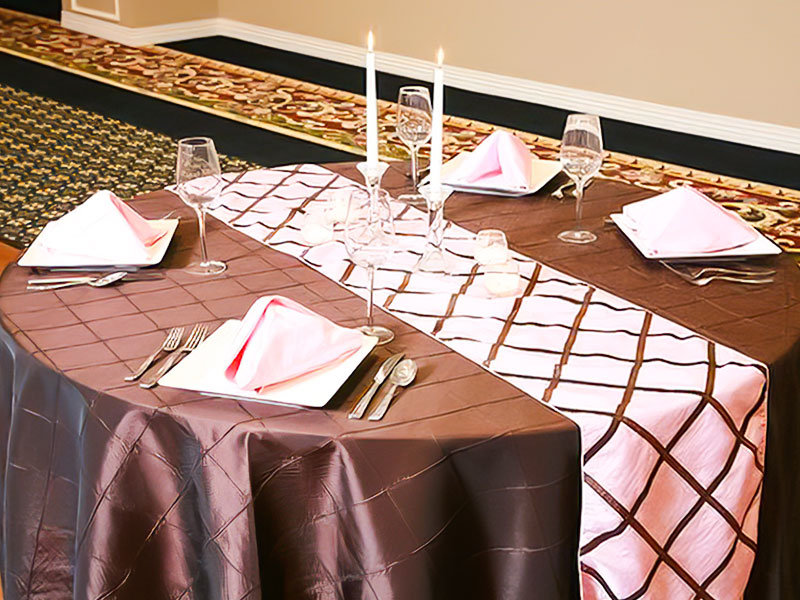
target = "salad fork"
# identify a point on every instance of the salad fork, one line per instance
(197, 335)
(170, 343)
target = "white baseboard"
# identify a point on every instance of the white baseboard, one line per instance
(721, 127)
(139, 36)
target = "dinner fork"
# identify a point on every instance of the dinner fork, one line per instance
(193, 341)
(170, 343)
(697, 271)
(738, 279)
(700, 279)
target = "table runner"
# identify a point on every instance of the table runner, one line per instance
(673, 425)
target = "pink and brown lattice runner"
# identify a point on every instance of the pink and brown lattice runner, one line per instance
(673, 425)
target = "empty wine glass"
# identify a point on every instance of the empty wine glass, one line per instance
(414, 126)
(581, 157)
(198, 184)
(370, 241)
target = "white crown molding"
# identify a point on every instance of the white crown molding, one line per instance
(721, 127)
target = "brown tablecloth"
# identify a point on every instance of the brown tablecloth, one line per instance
(760, 321)
(163, 492)
(467, 489)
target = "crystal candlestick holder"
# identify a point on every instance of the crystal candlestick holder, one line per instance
(434, 259)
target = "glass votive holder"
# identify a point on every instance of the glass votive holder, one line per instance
(502, 279)
(337, 205)
(491, 247)
(317, 227)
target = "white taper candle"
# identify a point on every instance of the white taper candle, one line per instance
(372, 106)
(436, 127)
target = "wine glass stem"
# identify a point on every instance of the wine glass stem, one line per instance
(369, 301)
(201, 223)
(578, 203)
(414, 173)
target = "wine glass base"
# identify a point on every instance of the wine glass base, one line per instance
(383, 334)
(433, 260)
(212, 267)
(575, 236)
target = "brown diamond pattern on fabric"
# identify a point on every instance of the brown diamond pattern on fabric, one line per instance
(605, 345)
(458, 444)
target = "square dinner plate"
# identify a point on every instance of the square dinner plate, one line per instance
(38, 256)
(761, 246)
(202, 371)
(542, 171)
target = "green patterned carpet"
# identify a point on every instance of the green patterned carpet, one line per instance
(54, 156)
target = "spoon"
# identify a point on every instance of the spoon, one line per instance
(98, 282)
(403, 374)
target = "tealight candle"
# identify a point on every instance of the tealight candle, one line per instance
(502, 279)
(316, 229)
(337, 206)
(491, 247)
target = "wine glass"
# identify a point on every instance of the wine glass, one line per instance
(370, 240)
(581, 157)
(198, 184)
(414, 126)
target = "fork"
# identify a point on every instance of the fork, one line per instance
(738, 279)
(697, 278)
(564, 189)
(170, 343)
(696, 272)
(193, 341)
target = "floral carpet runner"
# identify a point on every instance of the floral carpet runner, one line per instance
(336, 118)
(673, 425)
(54, 156)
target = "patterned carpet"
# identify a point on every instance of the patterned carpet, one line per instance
(54, 156)
(335, 118)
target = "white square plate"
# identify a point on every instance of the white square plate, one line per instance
(542, 171)
(761, 246)
(202, 371)
(38, 256)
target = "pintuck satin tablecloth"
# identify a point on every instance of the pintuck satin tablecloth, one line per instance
(466, 489)
(441, 499)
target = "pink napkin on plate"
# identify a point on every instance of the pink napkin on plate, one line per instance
(103, 228)
(685, 221)
(501, 161)
(280, 339)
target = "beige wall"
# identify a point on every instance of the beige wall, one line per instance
(141, 13)
(106, 6)
(729, 57)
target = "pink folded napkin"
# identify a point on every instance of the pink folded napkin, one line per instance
(501, 161)
(685, 221)
(103, 228)
(280, 339)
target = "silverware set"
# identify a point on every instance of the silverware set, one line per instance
(55, 283)
(174, 351)
(399, 372)
(701, 275)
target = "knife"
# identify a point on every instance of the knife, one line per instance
(383, 372)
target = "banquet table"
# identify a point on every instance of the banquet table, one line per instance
(468, 487)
